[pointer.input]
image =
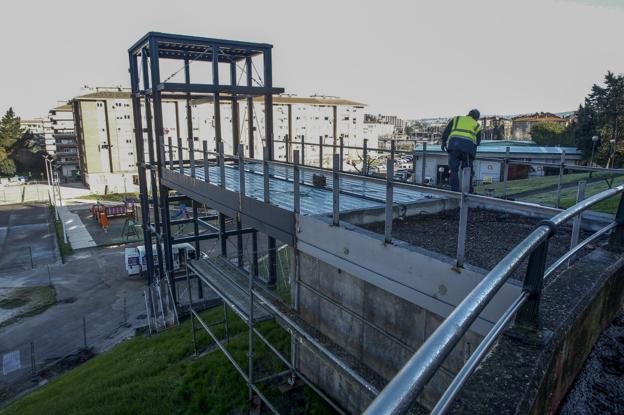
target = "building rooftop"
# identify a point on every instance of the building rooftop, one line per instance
(64, 107)
(123, 94)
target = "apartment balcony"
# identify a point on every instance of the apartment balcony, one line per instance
(64, 134)
(66, 143)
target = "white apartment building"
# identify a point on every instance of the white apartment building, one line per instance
(104, 127)
(34, 125)
(60, 140)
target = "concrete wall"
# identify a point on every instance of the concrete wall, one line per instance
(379, 329)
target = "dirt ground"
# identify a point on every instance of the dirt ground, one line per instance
(490, 236)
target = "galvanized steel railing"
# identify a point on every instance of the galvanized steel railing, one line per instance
(398, 396)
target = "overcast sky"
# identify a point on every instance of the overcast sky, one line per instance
(413, 59)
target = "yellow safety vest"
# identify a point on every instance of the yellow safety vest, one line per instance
(465, 127)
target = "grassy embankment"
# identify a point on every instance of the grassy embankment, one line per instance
(160, 375)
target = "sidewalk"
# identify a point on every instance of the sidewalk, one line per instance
(77, 233)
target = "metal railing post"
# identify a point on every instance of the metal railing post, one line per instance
(559, 184)
(241, 175)
(463, 217)
(191, 149)
(303, 150)
(424, 164)
(320, 152)
(365, 158)
(617, 235)
(506, 172)
(341, 153)
(576, 224)
(296, 196)
(265, 173)
(392, 150)
(221, 164)
(414, 166)
(33, 363)
(389, 201)
(336, 191)
(206, 165)
(180, 158)
(528, 315)
(170, 143)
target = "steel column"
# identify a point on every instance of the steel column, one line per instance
(160, 143)
(250, 107)
(140, 150)
(241, 193)
(268, 103)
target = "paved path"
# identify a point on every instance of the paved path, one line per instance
(77, 233)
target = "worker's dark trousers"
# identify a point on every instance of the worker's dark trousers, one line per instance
(457, 161)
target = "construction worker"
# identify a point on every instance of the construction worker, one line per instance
(460, 139)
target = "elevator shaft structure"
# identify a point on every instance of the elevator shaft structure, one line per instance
(193, 58)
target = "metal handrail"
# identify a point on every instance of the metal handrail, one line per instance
(471, 364)
(406, 386)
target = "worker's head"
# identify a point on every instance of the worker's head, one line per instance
(474, 114)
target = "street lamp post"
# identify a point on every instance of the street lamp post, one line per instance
(594, 143)
(611, 153)
(48, 167)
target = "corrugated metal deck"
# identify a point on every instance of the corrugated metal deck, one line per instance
(356, 193)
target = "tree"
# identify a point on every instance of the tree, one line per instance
(10, 130)
(28, 152)
(7, 167)
(584, 127)
(550, 134)
(603, 115)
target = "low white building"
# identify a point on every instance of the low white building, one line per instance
(488, 166)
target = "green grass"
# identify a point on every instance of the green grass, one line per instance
(535, 183)
(160, 375)
(34, 300)
(568, 196)
(112, 197)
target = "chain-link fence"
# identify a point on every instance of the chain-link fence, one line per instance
(41, 355)
(22, 193)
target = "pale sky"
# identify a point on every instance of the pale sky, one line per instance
(410, 58)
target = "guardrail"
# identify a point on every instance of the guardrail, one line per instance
(405, 387)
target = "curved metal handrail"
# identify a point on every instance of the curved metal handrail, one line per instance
(404, 388)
